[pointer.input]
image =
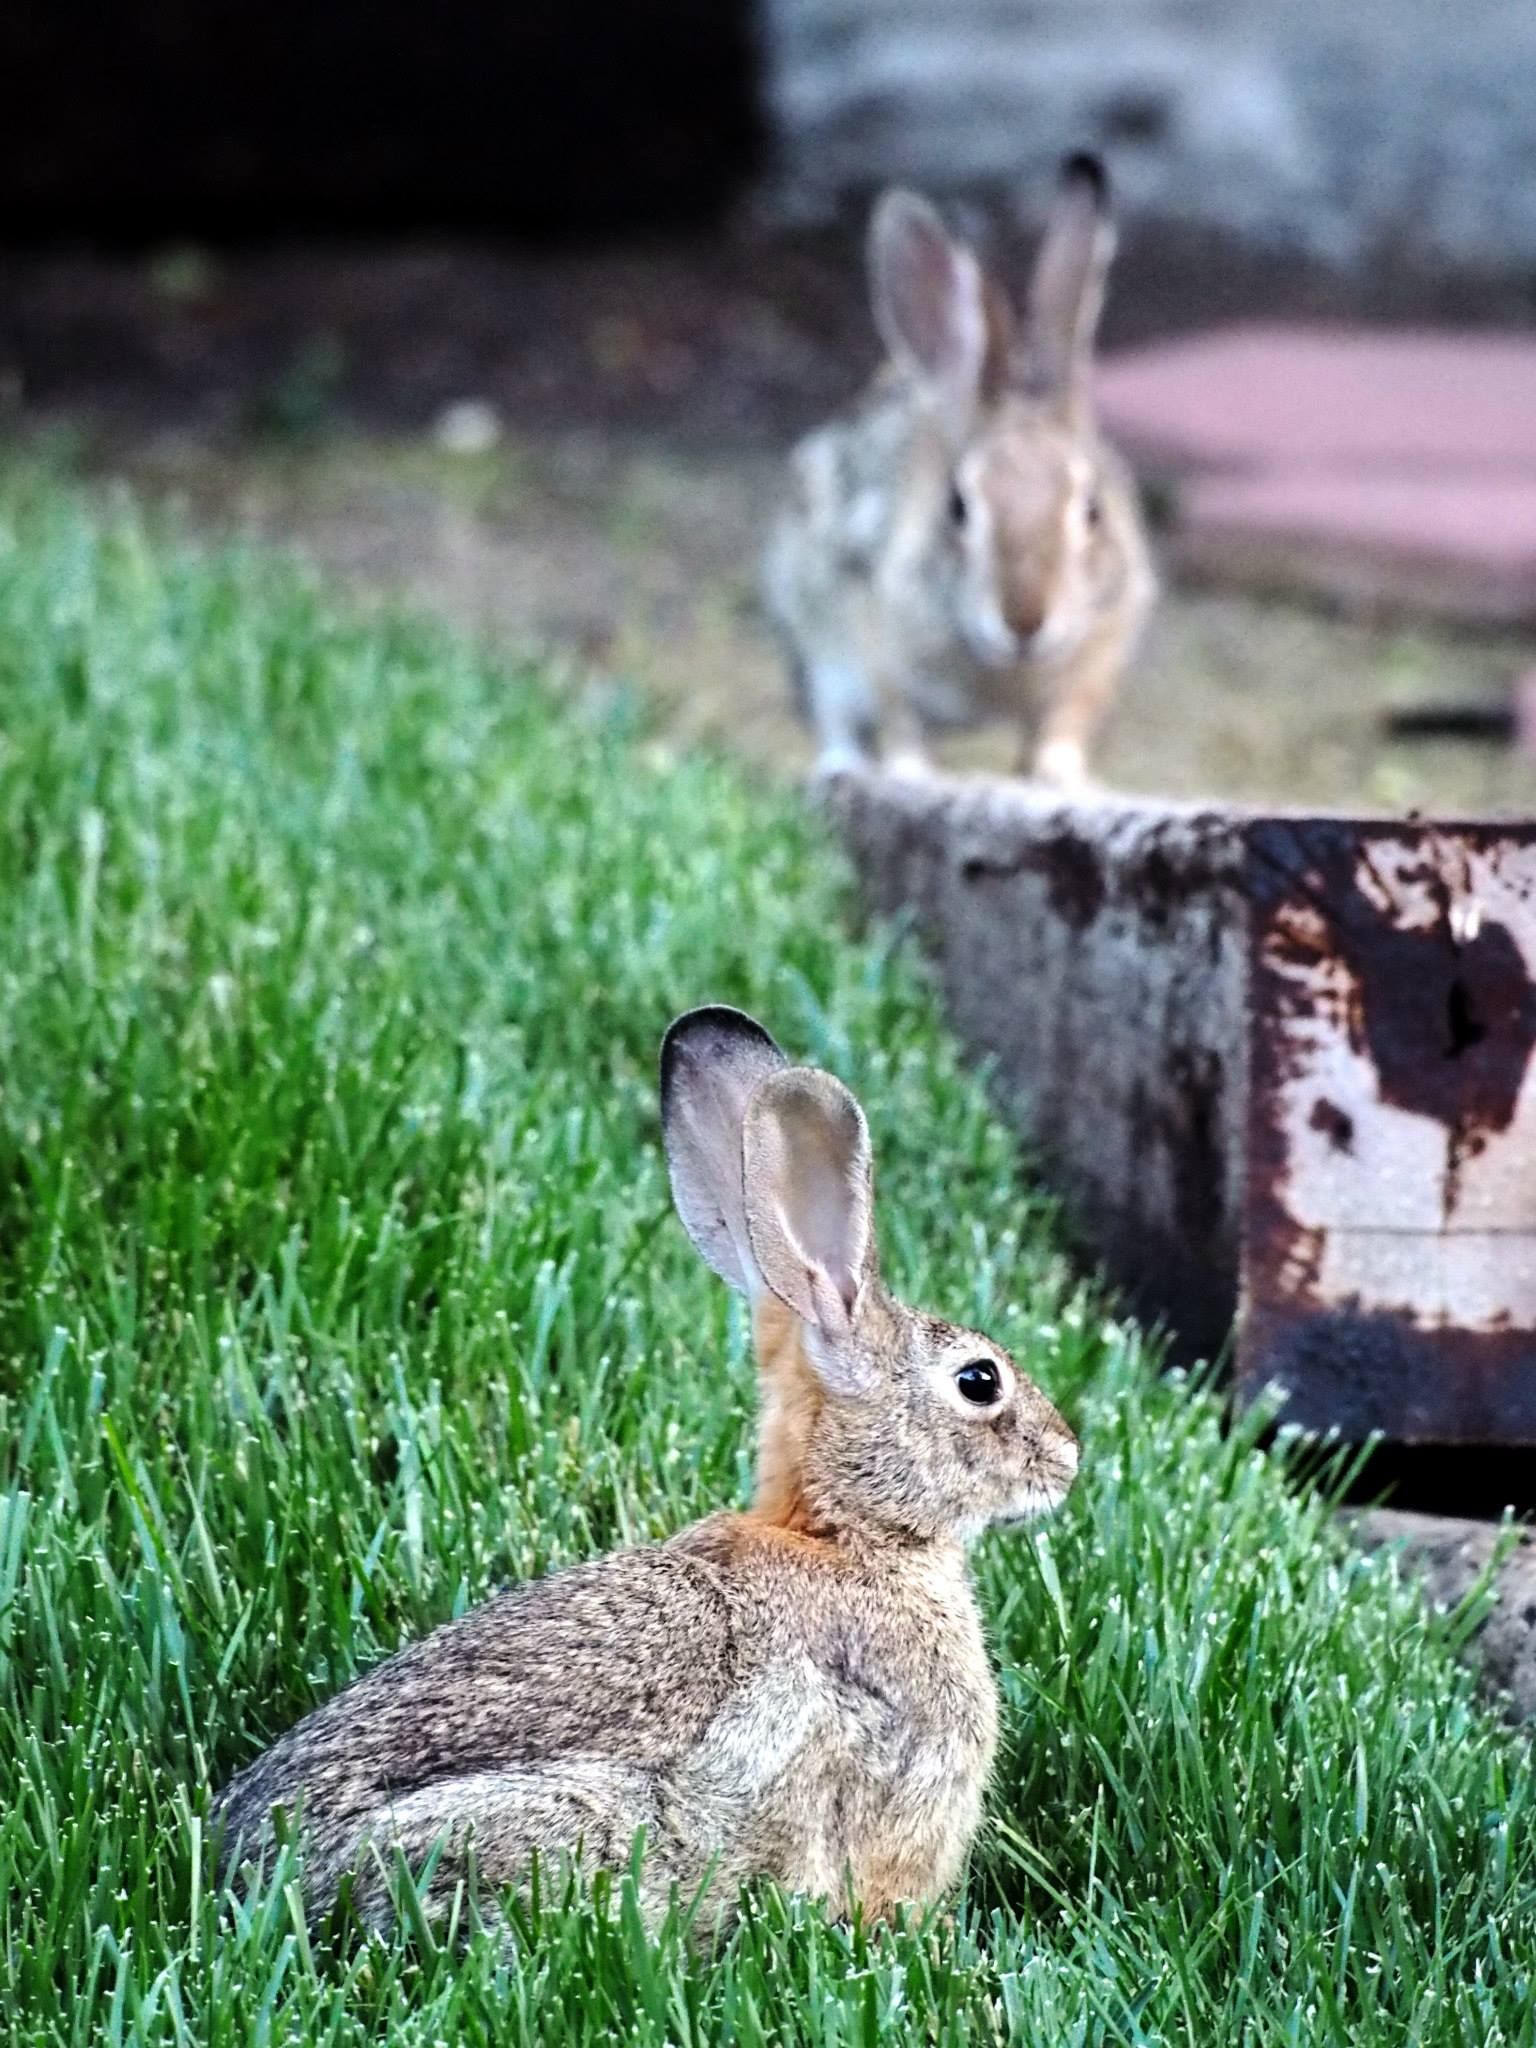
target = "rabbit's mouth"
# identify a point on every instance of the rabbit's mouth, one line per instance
(1055, 637)
(1037, 1502)
(993, 644)
(1045, 1489)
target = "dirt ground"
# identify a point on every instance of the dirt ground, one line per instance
(637, 560)
(644, 400)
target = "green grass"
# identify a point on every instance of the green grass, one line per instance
(339, 1284)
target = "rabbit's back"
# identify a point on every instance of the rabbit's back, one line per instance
(585, 1662)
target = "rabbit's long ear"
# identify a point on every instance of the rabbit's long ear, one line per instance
(1066, 293)
(810, 1208)
(712, 1060)
(930, 301)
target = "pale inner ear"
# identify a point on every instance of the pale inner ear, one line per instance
(822, 1211)
(929, 299)
(809, 1195)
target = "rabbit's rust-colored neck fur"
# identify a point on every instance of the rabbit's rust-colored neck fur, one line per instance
(791, 1400)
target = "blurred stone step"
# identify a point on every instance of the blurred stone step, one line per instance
(1245, 398)
(1454, 545)
(1376, 468)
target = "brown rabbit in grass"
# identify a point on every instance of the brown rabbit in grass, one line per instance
(798, 1692)
(963, 546)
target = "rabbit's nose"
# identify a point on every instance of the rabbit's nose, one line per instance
(1063, 1452)
(1022, 602)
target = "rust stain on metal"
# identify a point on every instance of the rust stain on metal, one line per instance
(1075, 880)
(1195, 1077)
(1390, 1217)
(1337, 1125)
(1167, 878)
(1178, 1117)
(1070, 865)
(1360, 1371)
(1084, 871)
(1449, 1025)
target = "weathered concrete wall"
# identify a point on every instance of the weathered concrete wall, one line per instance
(1380, 128)
(1121, 1052)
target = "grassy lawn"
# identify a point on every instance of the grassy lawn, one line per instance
(340, 1284)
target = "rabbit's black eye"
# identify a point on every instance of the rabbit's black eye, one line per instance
(1093, 512)
(981, 1382)
(956, 506)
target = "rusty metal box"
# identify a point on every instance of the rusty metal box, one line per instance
(1281, 1067)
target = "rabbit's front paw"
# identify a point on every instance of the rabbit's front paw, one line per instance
(1061, 763)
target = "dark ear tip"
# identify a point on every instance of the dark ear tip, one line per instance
(713, 1026)
(1082, 168)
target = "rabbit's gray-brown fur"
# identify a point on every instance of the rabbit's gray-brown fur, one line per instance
(797, 1692)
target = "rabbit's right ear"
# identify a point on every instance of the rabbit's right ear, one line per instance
(1066, 293)
(712, 1059)
(810, 1209)
(930, 301)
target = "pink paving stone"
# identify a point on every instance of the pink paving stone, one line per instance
(1245, 397)
(1486, 521)
(1396, 466)
(1460, 545)
(1525, 711)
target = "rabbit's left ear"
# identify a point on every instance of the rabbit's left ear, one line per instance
(930, 302)
(809, 1185)
(712, 1060)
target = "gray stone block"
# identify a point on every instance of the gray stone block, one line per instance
(1449, 1556)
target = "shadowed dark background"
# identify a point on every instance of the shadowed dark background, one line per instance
(181, 118)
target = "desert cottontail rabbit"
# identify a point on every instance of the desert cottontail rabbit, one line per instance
(798, 1692)
(963, 545)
